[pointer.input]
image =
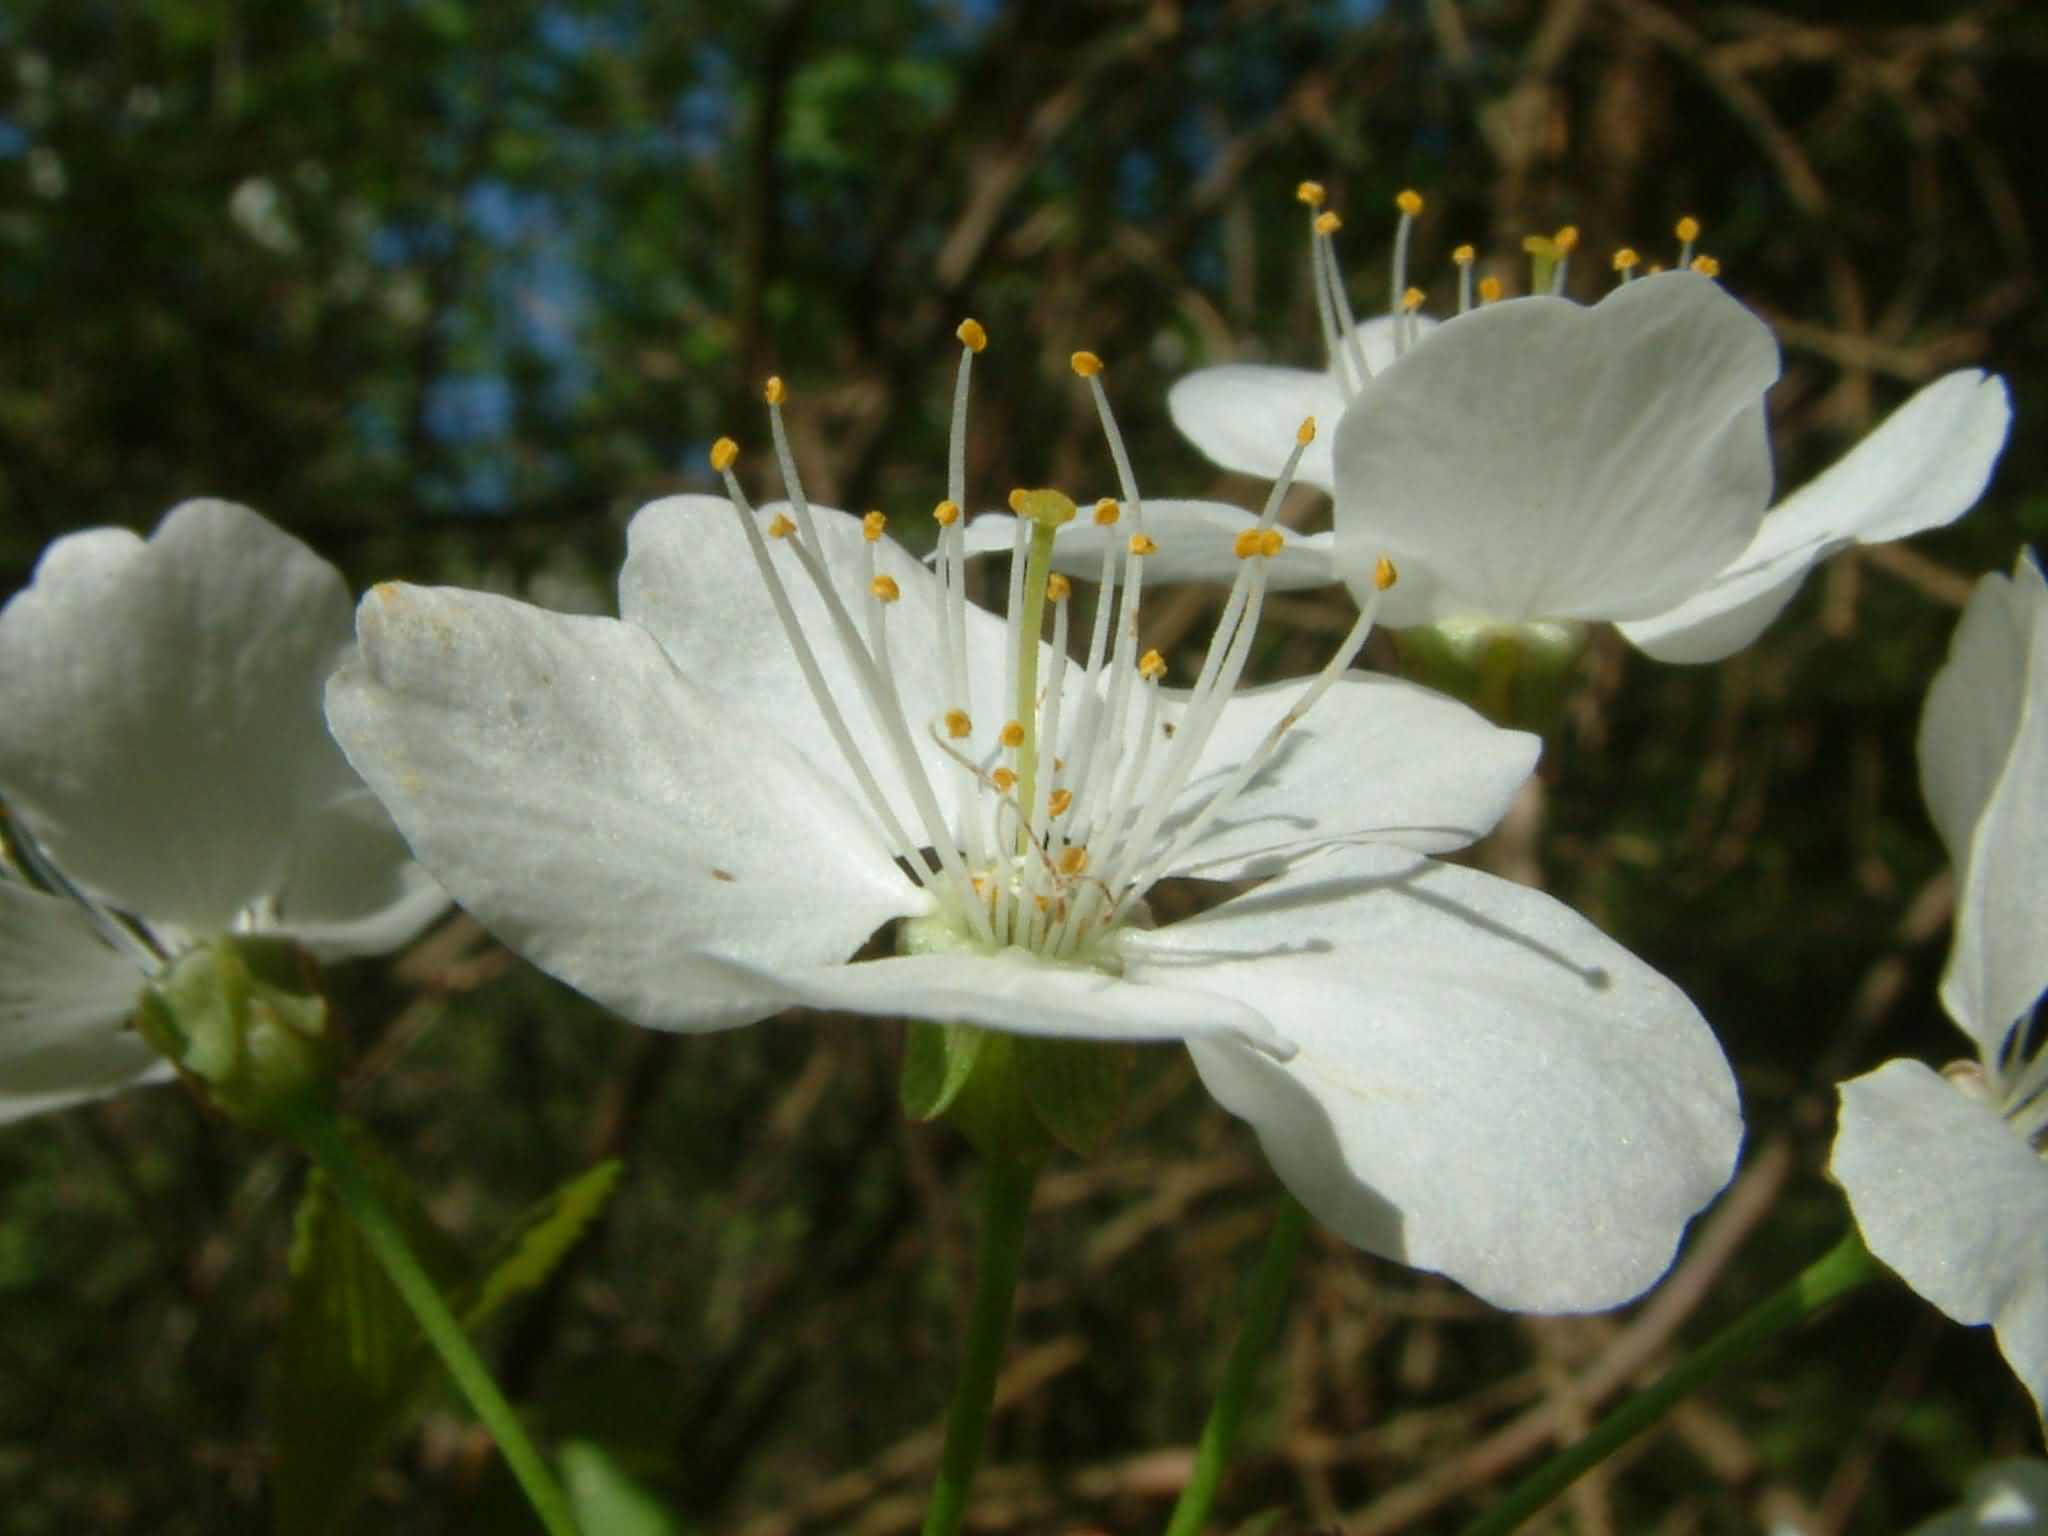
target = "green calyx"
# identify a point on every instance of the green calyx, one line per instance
(1517, 675)
(244, 1022)
(1016, 1096)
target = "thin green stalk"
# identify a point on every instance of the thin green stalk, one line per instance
(1844, 1267)
(1006, 1204)
(320, 1133)
(1261, 1322)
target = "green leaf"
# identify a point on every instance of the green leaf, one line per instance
(607, 1501)
(542, 1240)
(937, 1061)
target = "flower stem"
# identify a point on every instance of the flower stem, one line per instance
(1262, 1321)
(320, 1133)
(1844, 1267)
(1006, 1203)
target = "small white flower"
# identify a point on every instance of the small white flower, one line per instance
(799, 734)
(1536, 460)
(168, 778)
(1946, 1171)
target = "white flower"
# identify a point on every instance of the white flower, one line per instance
(2006, 1498)
(799, 734)
(168, 778)
(1945, 1171)
(1537, 460)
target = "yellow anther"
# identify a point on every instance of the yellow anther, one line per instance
(1012, 734)
(1706, 266)
(1688, 228)
(1489, 290)
(780, 527)
(958, 725)
(1654, 268)
(885, 589)
(1073, 861)
(1310, 192)
(1626, 259)
(1383, 574)
(1151, 666)
(946, 513)
(1142, 544)
(723, 453)
(1246, 544)
(1086, 364)
(1058, 588)
(1271, 542)
(1409, 202)
(1566, 239)
(1004, 780)
(1041, 903)
(1306, 432)
(1411, 301)
(1107, 512)
(1328, 224)
(1059, 801)
(1048, 509)
(971, 335)
(871, 527)
(1464, 255)
(773, 391)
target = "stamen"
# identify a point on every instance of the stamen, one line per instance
(780, 527)
(872, 526)
(1688, 230)
(1310, 192)
(1012, 734)
(959, 725)
(1625, 263)
(1409, 202)
(1060, 802)
(1464, 256)
(1143, 544)
(1564, 242)
(1004, 780)
(885, 589)
(1106, 512)
(773, 391)
(1489, 290)
(946, 513)
(1152, 666)
(1706, 266)
(1323, 279)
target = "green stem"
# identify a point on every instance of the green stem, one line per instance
(1006, 1204)
(1844, 1267)
(1262, 1321)
(320, 1133)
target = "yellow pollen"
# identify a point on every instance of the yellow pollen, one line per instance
(871, 527)
(1246, 544)
(1271, 542)
(1626, 259)
(1310, 192)
(1654, 268)
(723, 452)
(1073, 861)
(946, 513)
(1059, 801)
(1004, 780)
(1464, 255)
(958, 725)
(1151, 666)
(1489, 290)
(885, 589)
(1383, 574)
(1017, 500)
(1328, 224)
(1107, 512)
(1409, 202)
(1041, 903)
(1048, 509)
(1142, 544)
(1706, 266)
(1688, 228)
(1058, 588)
(780, 527)
(1086, 364)
(971, 335)
(1306, 432)
(1411, 301)
(773, 391)
(1013, 734)
(1566, 239)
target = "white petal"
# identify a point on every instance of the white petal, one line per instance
(1243, 416)
(162, 703)
(1984, 769)
(600, 812)
(77, 1073)
(1947, 1194)
(1195, 544)
(690, 581)
(60, 983)
(353, 887)
(1539, 460)
(1923, 467)
(1376, 759)
(1486, 1085)
(2006, 1498)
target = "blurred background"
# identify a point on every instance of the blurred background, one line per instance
(450, 290)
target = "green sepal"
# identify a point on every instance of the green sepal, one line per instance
(1077, 1089)
(1517, 675)
(352, 1363)
(937, 1061)
(1016, 1096)
(246, 1025)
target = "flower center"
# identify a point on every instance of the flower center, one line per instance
(1070, 780)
